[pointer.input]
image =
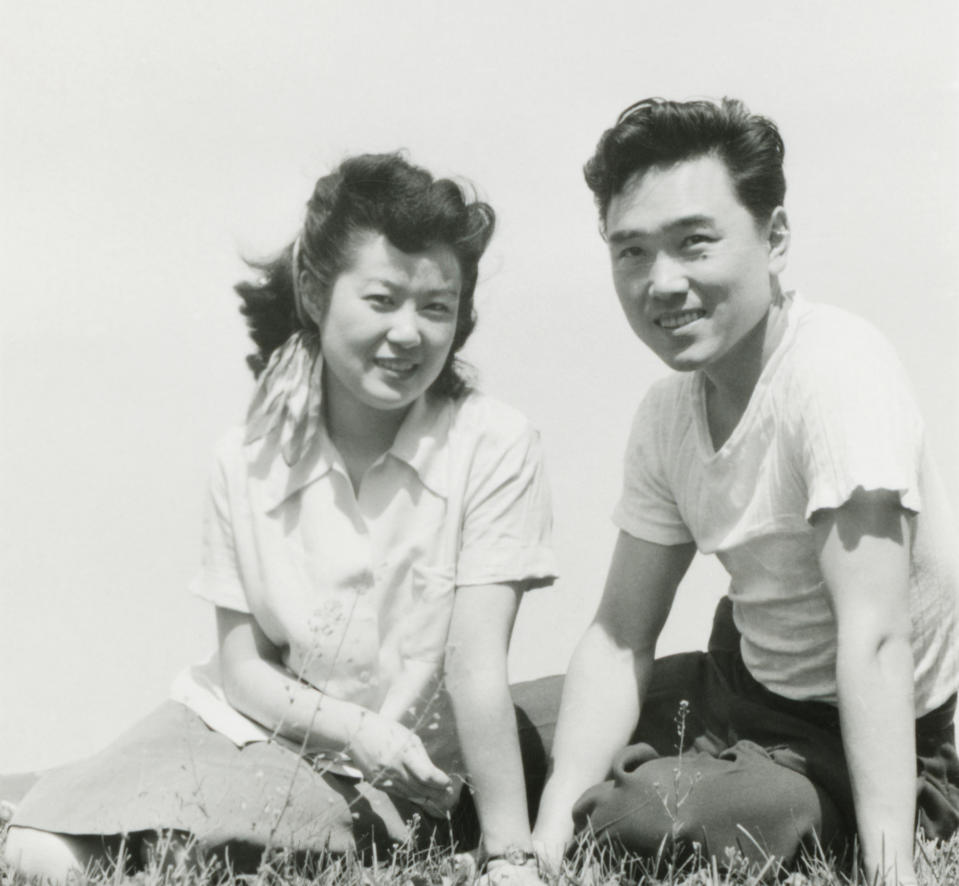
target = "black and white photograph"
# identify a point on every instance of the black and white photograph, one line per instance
(479, 442)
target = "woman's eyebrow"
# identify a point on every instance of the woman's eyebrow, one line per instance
(396, 286)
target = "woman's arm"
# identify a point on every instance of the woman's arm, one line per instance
(864, 556)
(258, 685)
(477, 682)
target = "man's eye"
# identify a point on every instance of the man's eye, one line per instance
(381, 300)
(631, 252)
(694, 240)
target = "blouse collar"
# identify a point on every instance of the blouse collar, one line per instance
(289, 446)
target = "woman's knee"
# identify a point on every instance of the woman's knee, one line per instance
(56, 857)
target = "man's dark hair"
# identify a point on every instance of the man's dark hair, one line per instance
(657, 132)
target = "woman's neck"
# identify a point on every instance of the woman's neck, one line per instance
(360, 433)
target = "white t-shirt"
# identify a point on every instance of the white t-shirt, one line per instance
(357, 590)
(831, 413)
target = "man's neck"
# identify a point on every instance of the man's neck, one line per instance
(736, 375)
(731, 382)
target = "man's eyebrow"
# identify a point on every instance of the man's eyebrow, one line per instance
(686, 221)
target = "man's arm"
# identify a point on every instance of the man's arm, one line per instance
(607, 678)
(864, 556)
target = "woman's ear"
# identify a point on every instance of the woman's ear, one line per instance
(778, 239)
(310, 302)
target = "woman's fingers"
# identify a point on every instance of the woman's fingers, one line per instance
(393, 757)
(422, 771)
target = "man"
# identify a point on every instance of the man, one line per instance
(786, 443)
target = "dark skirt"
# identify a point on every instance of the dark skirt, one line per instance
(171, 772)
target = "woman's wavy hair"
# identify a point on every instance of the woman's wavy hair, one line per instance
(378, 193)
(657, 132)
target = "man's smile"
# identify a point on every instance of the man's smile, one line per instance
(678, 319)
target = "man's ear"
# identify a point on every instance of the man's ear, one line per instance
(778, 238)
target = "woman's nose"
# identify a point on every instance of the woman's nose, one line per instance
(404, 329)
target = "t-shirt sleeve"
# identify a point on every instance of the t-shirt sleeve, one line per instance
(507, 521)
(647, 508)
(219, 579)
(861, 427)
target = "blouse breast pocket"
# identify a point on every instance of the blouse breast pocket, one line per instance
(426, 625)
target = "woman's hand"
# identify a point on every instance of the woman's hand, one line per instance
(393, 758)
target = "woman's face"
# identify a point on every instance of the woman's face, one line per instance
(389, 324)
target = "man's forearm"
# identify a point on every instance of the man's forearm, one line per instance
(598, 714)
(876, 708)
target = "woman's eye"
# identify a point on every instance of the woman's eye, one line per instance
(381, 300)
(440, 308)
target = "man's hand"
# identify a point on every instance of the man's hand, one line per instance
(393, 758)
(550, 851)
(503, 873)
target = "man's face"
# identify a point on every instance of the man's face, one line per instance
(692, 268)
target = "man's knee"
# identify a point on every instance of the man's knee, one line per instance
(711, 803)
(637, 808)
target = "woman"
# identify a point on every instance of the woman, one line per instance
(371, 529)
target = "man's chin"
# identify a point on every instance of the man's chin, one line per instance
(682, 362)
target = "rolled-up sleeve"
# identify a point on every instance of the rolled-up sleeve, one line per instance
(507, 523)
(861, 428)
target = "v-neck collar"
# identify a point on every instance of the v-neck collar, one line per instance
(701, 416)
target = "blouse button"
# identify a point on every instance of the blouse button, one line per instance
(364, 676)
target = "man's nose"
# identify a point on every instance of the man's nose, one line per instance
(667, 276)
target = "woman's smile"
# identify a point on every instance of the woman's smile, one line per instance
(398, 367)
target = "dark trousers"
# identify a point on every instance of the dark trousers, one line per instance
(719, 761)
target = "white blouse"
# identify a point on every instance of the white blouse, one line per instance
(356, 589)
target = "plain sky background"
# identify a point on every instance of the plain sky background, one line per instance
(144, 145)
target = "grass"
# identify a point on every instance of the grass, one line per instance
(589, 865)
